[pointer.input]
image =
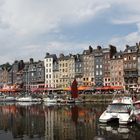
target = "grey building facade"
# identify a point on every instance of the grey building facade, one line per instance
(98, 66)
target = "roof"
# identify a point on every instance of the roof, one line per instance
(118, 55)
(130, 49)
(51, 56)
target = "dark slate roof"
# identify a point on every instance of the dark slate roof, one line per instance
(64, 57)
(79, 57)
(51, 56)
(118, 55)
(130, 49)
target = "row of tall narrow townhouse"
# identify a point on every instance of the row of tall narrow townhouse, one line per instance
(94, 67)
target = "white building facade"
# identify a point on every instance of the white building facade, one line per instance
(49, 68)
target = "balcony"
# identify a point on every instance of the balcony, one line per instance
(130, 75)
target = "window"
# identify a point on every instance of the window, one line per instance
(134, 57)
(49, 75)
(125, 58)
(46, 75)
(97, 73)
(101, 73)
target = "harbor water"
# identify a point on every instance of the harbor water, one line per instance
(40, 121)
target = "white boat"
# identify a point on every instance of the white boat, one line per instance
(28, 98)
(9, 99)
(5, 98)
(26, 103)
(121, 109)
(50, 99)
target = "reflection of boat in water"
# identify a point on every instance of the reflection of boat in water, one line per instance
(120, 109)
(137, 111)
(122, 131)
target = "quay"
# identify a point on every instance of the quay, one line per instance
(104, 97)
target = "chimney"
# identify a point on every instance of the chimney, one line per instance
(127, 46)
(31, 60)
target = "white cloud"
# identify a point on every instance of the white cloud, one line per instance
(128, 12)
(129, 39)
(66, 47)
(24, 22)
(33, 16)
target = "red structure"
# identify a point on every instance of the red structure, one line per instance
(74, 89)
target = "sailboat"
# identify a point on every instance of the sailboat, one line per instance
(26, 97)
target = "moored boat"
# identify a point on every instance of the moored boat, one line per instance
(28, 98)
(120, 109)
(6, 98)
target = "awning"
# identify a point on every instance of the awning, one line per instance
(10, 90)
(118, 87)
(110, 88)
(79, 88)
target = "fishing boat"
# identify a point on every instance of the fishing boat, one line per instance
(120, 109)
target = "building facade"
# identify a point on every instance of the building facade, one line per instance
(88, 67)
(130, 59)
(49, 64)
(116, 70)
(98, 66)
(63, 62)
(107, 55)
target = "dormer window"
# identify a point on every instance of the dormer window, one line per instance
(129, 51)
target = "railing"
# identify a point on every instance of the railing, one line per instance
(130, 75)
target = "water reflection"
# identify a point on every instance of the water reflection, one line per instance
(59, 122)
(115, 131)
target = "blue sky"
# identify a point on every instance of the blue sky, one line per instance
(30, 28)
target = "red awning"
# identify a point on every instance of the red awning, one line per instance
(79, 88)
(110, 88)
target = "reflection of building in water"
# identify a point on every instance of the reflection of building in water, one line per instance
(64, 123)
(21, 121)
(57, 124)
